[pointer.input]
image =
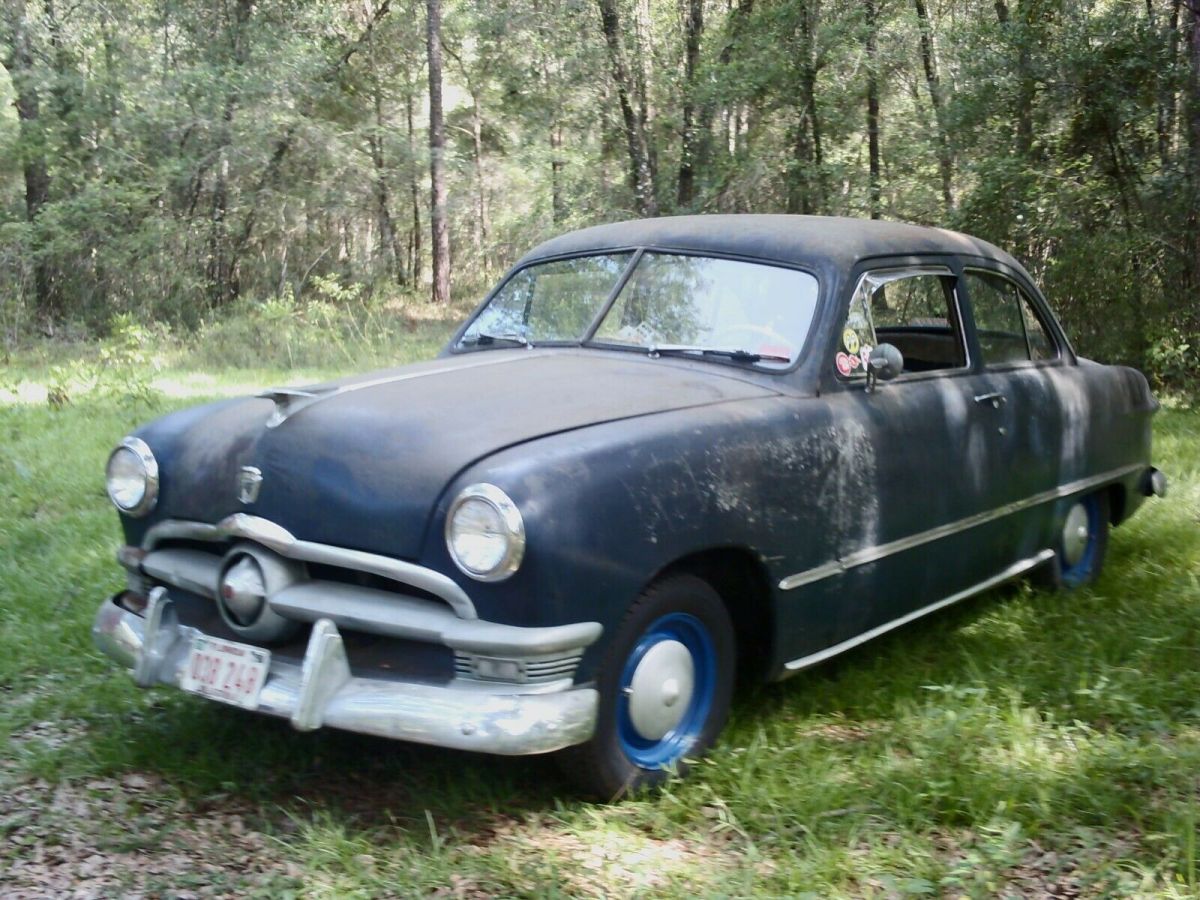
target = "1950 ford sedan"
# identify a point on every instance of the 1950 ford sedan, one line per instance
(661, 455)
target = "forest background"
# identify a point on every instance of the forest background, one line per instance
(177, 161)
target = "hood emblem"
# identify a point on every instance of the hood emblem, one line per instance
(249, 481)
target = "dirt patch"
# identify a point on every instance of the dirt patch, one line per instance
(126, 837)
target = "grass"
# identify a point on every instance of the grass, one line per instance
(1023, 743)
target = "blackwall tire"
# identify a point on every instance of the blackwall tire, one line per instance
(665, 687)
(1081, 544)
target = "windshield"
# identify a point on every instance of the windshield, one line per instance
(748, 312)
(549, 303)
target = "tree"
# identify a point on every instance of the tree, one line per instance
(641, 174)
(19, 61)
(437, 152)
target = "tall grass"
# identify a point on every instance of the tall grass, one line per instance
(1024, 743)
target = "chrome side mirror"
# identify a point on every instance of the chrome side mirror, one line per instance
(885, 364)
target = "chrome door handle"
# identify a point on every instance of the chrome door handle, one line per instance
(996, 399)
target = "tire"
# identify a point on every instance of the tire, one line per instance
(1081, 545)
(648, 723)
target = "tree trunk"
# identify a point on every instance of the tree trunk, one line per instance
(222, 269)
(558, 203)
(929, 62)
(414, 236)
(1192, 14)
(805, 178)
(483, 225)
(437, 153)
(693, 30)
(873, 106)
(1165, 119)
(389, 245)
(644, 77)
(32, 149)
(641, 174)
(1026, 86)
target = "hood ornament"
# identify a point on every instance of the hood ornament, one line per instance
(249, 481)
(288, 401)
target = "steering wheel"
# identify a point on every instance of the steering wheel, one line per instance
(760, 336)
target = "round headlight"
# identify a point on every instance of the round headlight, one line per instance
(132, 477)
(485, 533)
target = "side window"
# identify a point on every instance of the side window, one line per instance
(1009, 329)
(913, 310)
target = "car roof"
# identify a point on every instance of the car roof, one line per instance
(795, 240)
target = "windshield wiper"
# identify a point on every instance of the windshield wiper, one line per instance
(734, 353)
(482, 338)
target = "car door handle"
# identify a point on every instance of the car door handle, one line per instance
(995, 398)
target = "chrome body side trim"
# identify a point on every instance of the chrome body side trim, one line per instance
(1018, 568)
(502, 719)
(879, 551)
(279, 539)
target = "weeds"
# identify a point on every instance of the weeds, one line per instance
(1022, 744)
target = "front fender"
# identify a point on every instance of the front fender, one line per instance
(607, 508)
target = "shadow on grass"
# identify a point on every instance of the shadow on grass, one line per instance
(214, 754)
(998, 702)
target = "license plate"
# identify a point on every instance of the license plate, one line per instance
(226, 671)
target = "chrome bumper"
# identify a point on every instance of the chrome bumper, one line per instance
(490, 718)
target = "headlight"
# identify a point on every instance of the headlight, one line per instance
(132, 477)
(485, 533)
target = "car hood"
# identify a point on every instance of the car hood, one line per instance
(361, 462)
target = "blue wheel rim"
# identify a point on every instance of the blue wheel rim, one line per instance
(674, 745)
(1078, 573)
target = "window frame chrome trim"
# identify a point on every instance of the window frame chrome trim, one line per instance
(941, 270)
(879, 551)
(1043, 316)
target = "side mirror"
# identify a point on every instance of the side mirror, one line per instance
(886, 363)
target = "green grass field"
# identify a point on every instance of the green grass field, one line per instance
(1021, 744)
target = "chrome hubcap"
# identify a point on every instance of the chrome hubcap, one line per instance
(1075, 535)
(660, 690)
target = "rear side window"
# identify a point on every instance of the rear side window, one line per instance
(914, 310)
(1006, 322)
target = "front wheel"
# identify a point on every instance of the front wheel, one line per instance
(665, 687)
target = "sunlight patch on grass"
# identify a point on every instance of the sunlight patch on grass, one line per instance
(1022, 743)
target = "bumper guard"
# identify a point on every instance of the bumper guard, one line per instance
(489, 718)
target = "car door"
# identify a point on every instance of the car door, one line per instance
(1022, 364)
(908, 506)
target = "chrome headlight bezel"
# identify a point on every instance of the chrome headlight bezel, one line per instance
(149, 465)
(513, 529)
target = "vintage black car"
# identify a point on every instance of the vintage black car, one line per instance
(661, 455)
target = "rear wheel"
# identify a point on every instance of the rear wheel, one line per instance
(665, 687)
(1082, 543)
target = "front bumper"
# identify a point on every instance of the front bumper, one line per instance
(491, 718)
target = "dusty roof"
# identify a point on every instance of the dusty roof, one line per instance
(799, 240)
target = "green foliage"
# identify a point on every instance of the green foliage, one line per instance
(120, 369)
(200, 157)
(338, 325)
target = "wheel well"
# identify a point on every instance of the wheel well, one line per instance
(1116, 503)
(740, 579)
